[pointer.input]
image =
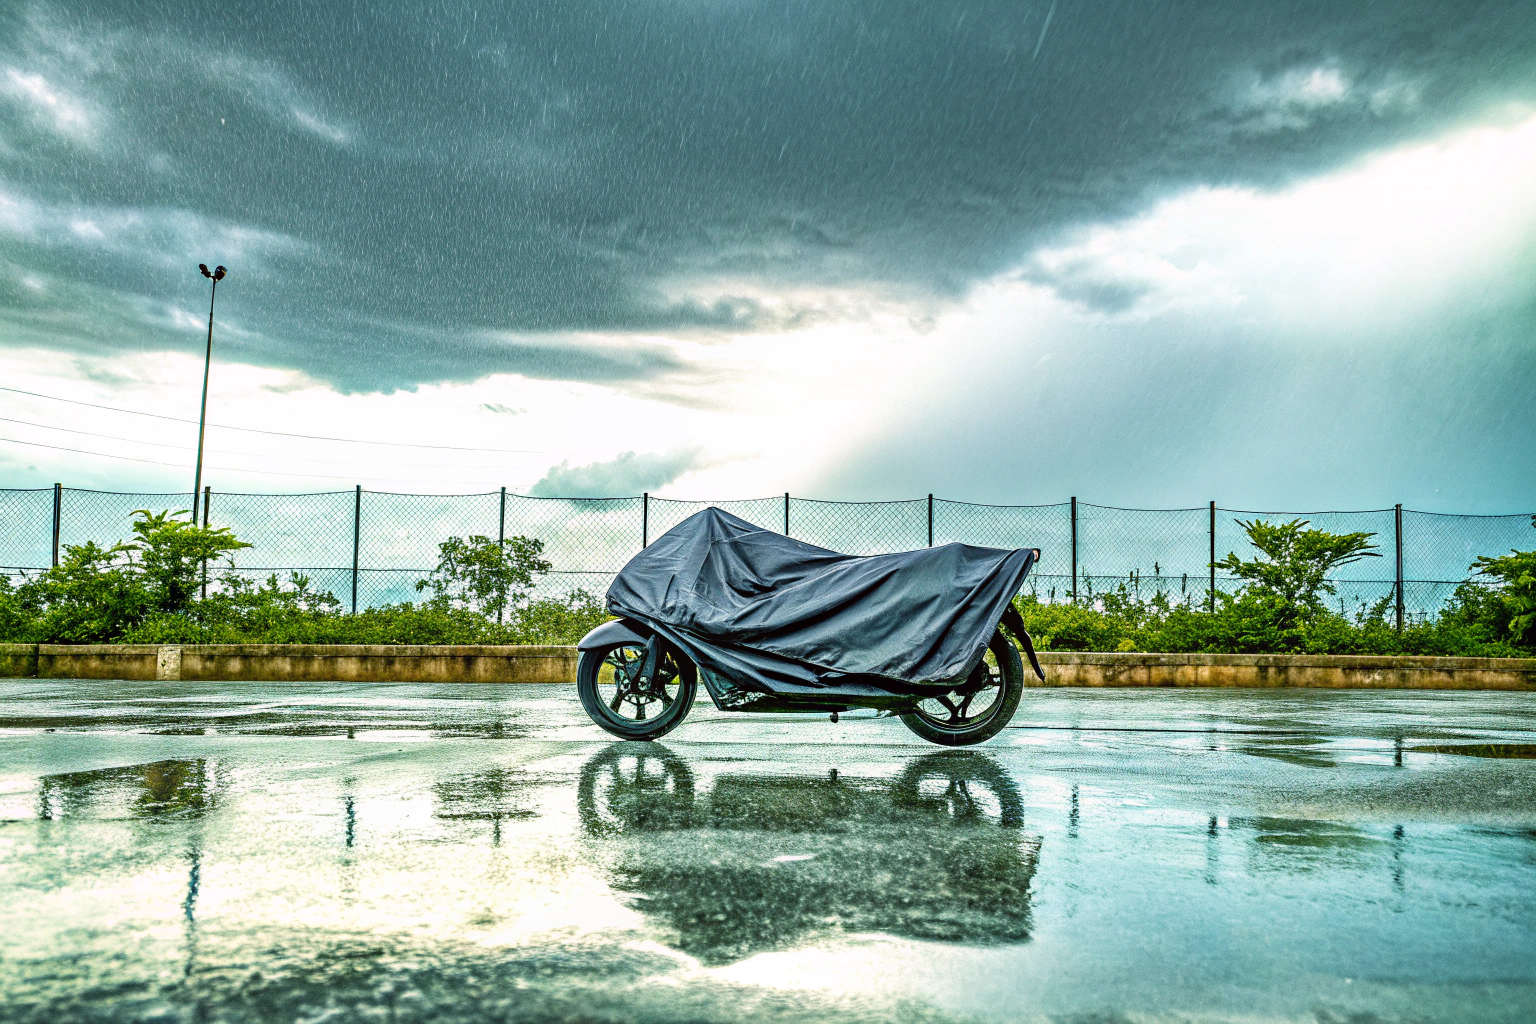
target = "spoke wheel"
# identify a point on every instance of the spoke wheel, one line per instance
(620, 697)
(976, 709)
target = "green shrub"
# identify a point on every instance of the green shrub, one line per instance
(276, 614)
(1514, 607)
(1280, 608)
(1466, 627)
(151, 591)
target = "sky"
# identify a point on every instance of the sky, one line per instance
(1279, 255)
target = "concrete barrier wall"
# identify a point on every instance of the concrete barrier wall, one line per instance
(18, 660)
(489, 664)
(381, 663)
(292, 662)
(1326, 671)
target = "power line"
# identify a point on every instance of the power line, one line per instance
(99, 455)
(226, 451)
(281, 433)
(90, 433)
(223, 469)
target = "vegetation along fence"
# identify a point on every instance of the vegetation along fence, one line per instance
(369, 548)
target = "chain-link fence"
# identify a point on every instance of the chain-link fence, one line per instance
(369, 548)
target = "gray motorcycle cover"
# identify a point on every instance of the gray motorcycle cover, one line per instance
(761, 613)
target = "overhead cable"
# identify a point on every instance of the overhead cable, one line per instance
(226, 451)
(282, 433)
(228, 469)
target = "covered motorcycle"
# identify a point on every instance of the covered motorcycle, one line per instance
(775, 624)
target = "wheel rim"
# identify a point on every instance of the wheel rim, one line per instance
(970, 705)
(627, 695)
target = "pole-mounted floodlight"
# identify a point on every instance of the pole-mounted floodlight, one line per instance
(215, 275)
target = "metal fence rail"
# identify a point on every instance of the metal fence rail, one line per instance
(369, 547)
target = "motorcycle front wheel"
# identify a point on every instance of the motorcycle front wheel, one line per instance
(609, 684)
(978, 708)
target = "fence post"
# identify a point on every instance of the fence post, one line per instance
(501, 544)
(357, 537)
(1398, 523)
(1212, 593)
(786, 513)
(1074, 549)
(930, 520)
(207, 500)
(58, 517)
(645, 520)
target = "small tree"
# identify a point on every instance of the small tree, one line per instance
(99, 593)
(1292, 575)
(172, 553)
(483, 574)
(1516, 572)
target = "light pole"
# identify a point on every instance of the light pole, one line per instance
(216, 275)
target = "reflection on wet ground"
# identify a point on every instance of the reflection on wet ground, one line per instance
(762, 861)
(161, 787)
(196, 852)
(1527, 750)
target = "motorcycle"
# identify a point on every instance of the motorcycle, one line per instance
(772, 625)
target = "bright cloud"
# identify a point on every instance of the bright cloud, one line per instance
(169, 236)
(50, 105)
(1297, 98)
(1415, 224)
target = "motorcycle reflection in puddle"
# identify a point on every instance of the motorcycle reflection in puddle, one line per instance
(744, 862)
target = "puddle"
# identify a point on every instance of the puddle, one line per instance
(184, 788)
(757, 862)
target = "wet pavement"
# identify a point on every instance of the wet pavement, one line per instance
(242, 852)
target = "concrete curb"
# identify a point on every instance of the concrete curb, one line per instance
(1316, 671)
(320, 663)
(292, 662)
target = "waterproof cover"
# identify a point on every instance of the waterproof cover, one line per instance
(764, 615)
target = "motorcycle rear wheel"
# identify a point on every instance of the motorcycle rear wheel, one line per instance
(616, 700)
(977, 709)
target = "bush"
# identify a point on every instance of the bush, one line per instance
(279, 620)
(150, 591)
(1242, 626)
(1514, 606)
(1280, 609)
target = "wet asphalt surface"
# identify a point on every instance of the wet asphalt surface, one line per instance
(243, 852)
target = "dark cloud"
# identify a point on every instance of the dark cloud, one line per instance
(629, 474)
(1088, 284)
(471, 174)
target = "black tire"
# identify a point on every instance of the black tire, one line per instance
(624, 708)
(948, 720)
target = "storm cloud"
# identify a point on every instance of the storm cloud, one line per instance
(407, 197)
